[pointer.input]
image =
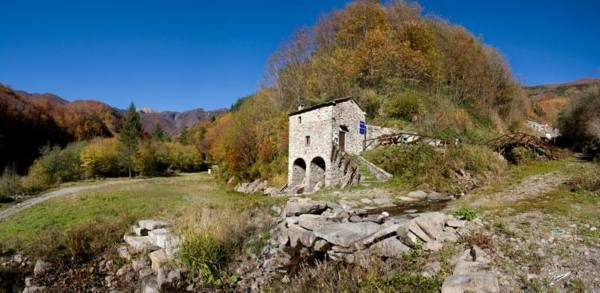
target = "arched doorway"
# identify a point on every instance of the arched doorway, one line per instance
(317, 172)
(298, 172)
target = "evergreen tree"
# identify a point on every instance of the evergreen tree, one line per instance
(158, 133)
(131, 132)
(184, 136)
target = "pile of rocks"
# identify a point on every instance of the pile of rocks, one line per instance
(257, 186)
(338, 232)
(150, 249)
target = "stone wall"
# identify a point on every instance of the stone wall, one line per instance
(317, 125)
(323, 126)
(349, 115)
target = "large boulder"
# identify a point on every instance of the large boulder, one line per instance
(389, 247)
(346, 234)
(304, 206)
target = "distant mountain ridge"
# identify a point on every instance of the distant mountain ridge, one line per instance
(106, 120)
(172, 122)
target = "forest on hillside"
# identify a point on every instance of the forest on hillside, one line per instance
(395, 61)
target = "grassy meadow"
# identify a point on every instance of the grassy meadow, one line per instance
(107, 212)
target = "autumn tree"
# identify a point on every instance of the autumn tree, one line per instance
(131, 133)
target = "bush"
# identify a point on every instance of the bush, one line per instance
(579, 122)
(203, 254)
(82, 242)
(9, 184)
(521, 155)
(404, 106)
(54, 166)
(466, 213)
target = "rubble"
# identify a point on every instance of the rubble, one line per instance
(312, 228)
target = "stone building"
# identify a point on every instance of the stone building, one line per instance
(314, 133)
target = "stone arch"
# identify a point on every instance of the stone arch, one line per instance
(298, 172)
(317, 172)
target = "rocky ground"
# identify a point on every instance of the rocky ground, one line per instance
(539, 233)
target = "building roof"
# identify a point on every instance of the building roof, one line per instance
(325, 104)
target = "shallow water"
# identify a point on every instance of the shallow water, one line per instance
(406, 208)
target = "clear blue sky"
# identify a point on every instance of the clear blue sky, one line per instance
(177, 55)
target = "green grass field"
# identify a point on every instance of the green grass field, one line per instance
(170, 198)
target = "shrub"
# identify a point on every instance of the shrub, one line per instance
(55, 165)
(9, 184)
(404, 106)
(521, 155)
(82, 242)
(466, 213)
(579, 122)
(203, 254)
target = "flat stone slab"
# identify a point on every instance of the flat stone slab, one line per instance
(139, 243)
(152, 224)
(381, 233)
(311, 222)
(159, 237)
(473, 282)
(389, 247)
(346, 234)
(407, 199)
(417, 194)
(304, 206)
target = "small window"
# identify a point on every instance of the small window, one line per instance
(307, 140)
(299, 119)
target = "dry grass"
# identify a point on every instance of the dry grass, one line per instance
(479, 239)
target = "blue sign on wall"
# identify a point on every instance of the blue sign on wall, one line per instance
(362, 127)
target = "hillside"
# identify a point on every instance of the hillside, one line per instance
(406, 70)
(24, 128)
(31, 121)
(549, 99)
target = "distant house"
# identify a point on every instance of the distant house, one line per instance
(543, 129)
(317, 133)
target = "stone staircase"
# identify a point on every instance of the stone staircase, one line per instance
(353, 170)
(346, 170)
(375, 173)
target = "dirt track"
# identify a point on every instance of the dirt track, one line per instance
(57, 193)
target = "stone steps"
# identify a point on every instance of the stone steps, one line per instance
(150, 242)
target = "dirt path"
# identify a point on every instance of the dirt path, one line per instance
(529, 187)
(57, 193)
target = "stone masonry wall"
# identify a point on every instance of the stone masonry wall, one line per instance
(314, 124)
(349, 115)
(322, 125)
